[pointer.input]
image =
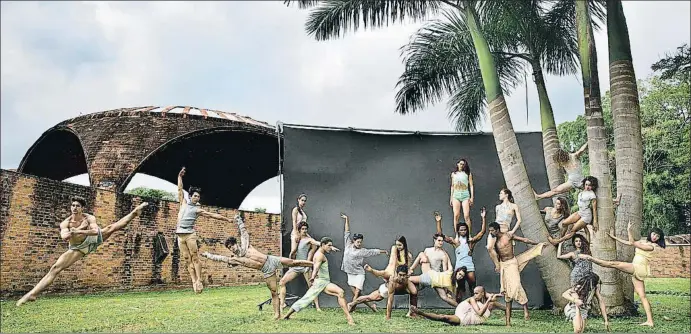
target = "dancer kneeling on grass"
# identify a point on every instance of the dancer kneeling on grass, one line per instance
(306, 248)
(397, 284)
(84, 235)
(580, 297)
(445, 283)
(321, 281)
(247, 256)
(639, 268)
(473, 311)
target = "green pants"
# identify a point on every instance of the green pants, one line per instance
(311, 294)
(461, 195)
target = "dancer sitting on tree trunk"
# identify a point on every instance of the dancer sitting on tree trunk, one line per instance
(586, 216)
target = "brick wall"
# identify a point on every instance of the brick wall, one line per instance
(672, 261)
(32, 208)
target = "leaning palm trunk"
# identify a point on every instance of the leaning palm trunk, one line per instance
(553, 271)
(628, 146)
(550, 139)
(602, 247)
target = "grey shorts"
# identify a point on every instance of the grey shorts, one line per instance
(576, 181)
(586, 216)
(272, 264)
(299, 270)
(425, 280)
(89, 244)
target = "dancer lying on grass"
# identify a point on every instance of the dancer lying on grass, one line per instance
(473, 311)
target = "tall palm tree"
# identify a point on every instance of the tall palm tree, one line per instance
(329, 18)
(602, 247)
(628, 143)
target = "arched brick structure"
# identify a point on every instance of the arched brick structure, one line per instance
(227, 155)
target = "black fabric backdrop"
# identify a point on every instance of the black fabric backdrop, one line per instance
(389, 185)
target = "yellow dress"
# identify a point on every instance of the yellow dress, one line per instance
(641, 263)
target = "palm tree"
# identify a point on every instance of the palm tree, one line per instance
(628, 143)
(329, 18)
(603, 247)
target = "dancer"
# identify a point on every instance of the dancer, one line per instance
(555, 215)
(463, 245)
(436, 256)
(580, 297)
(473, 311)
(298, 216)
(322, 282)
(397, 284)
(306, 248)
(510, 266)
(585, 216)
(247, 256)
(446, 282)
(580, 267)
(504, 213)
(572, 165)
(462, 193)
(399, 255)
(639, 268)
(84, 235)
(353, 257)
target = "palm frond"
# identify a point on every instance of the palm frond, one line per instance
(302, 4)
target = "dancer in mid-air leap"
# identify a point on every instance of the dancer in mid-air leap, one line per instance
(572, 165)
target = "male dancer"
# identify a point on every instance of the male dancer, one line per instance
(436, 259)
(510, 266)
(353, 257)
(322, 282)
(248, 256)
(473, 311)
(84, 235)
(396, 285)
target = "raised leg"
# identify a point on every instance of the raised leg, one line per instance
(621, 266)
(449, 319)
(379, 273)
(560, 189)
(456, 214)
(572, 219)
(289, 276)
(195, 262)
(639, 287)
(286, 262)
(65, 260)
(107, 231)
(272, 284)
(335, 290)
(356, 294)
(466, 216)
(374, 296)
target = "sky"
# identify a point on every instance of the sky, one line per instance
(63, 59)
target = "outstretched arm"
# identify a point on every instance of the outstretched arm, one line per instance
(389, 300)
(637, 244)
(346, 231)
(181, 195)
(525, 240)
(564, 256)
(581, 150)
(205, 213)
(244, 236)
(613, 236)
(437, 219)
(477, 237)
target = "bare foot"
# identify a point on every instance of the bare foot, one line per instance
(277, 317)
(374, 308)
(351, 307)
(647, 323)
(26, 298)
(319, 310)
(138, 209)
(526, 317)
(350, 321)
(200, 287)
(413, 310)
(283, 306)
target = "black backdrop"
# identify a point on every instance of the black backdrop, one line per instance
(390, 184)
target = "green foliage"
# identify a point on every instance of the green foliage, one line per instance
(260, 210)
(666, 150)
(155, 194)
(676, 66)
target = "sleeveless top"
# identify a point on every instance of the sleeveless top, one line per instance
(301, 217)
(460, 181)
(581, 268)
(584, 199)
(401, 260)
(504, 216)
(575, 173)
(437, 261)
(303, 250)
(323, 273)
(553, 223)
(188, 218)
(461, 251)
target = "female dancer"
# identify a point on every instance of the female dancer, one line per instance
(585, 216)
(473, 311)
(555, 215)
(639, 268)
(399, 255)
(572, 165)
(504, 215)
(580, 267)
(298, 216)
(463, 245)
(305, 251)
(440, 281)
(580, 296)
(462, 193)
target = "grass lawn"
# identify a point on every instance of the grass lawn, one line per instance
(234, 310)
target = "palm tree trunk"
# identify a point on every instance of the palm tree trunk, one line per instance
(555, 273)
(602, 247)
(628, 146)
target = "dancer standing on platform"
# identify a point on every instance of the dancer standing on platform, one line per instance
(639, 268)
(395, 285)
(580, 297)
(510, 266)
(586, 216)
(504, 214)
(473, 311)
(580, 267)
(306, 248)
(247, 256)
(462, 193)
(298, 215)
(574, 169)
(84, 235)
(321, 281)
(353, 258)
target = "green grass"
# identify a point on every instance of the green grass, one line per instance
(234, 310)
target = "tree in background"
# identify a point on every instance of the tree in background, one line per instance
(155, 194)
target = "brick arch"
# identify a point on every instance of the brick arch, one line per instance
(58, 154)
(226, 162)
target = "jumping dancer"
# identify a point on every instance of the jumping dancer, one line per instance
(510, 266)
(84, 235)
(639, 268)
(322, 282)
(446, 282)
(247, 256)
(463, 245)
(504, 214)
(397, 284)
(353, 257)
(473, 311)
(462, 193)
(572, 165)
(187, 237)
(586, 216)
(298, 216)
(580, 297)
(306, 248)
(579, 267)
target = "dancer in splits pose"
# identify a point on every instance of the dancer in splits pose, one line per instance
(580, 297)
(84, 235)
(509, 267)
(571, 163)
(639, 268)
(353, 258)
(446, 282)
(321, 281)
(247, 256)
(580, 267)
(306, 248)
(463, 245)
(298, 216)
(586, 216)
(462, 193)
(504, 214)
(187, 237)
(398, 284)
(473, 311)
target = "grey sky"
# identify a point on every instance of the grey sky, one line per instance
(253, 58)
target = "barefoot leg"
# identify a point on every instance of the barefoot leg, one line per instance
(64, 261)
(334, 290)
(639, 287)
(107, 231)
